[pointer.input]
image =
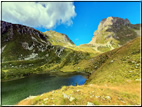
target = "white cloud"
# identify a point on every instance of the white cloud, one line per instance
(37, 14)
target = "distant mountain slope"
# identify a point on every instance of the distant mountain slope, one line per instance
(114, 32)
(58, 38)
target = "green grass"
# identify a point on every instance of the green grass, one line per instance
(111, 83)
(104, 48)
(56, 38)
(96, 94)
(123, 65)
(67, 62)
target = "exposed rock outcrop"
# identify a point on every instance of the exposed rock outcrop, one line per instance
(20, 39)
(114, 31)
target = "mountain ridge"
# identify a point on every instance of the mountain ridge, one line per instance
(32, 50)
(34, 46)
(113, 69)
(114, 32)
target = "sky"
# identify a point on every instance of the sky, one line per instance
(78, 20)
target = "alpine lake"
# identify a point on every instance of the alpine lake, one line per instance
(35, 84)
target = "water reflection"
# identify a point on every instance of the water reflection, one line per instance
(14, 91)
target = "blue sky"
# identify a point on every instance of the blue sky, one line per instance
(78, 20)
(89, 15)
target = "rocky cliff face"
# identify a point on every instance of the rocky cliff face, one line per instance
(113, 32)
(113, 21)
(10, 29)
(22, 43)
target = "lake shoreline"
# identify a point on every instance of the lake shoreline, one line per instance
(36, 84)
(56, 73)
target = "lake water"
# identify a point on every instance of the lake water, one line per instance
(16, 90)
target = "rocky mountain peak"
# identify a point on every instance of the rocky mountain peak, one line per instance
(113, 21)
(113, 32)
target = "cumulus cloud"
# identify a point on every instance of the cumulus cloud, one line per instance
(38, 14)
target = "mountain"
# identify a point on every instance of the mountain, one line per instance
(60, 39)
(114, 32)
(56, 38)
(50, 51)
(22, 43)
(114, 75)
(26, 51)
(115, 81)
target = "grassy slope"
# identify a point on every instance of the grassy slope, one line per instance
(66, 62)
(47, 61)
(56, 38)
(122, 66)
(115, 82)
(73, 58)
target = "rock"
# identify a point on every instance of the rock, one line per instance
(30, 97)
(123, 101)
(97, 96)
(65, 96)
(71, 98)
(91, 96)
(111, 61)
(3, 48)
(119, 98)
(45, 99)
(108, 97)
(133, 62)
(138, 80)
(32, 56)
(89, 103)
(58, 51)
(77, 90)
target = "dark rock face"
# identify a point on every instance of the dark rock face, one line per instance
(19, 39)
(12, 29)
(4, 28)
(114, 22)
